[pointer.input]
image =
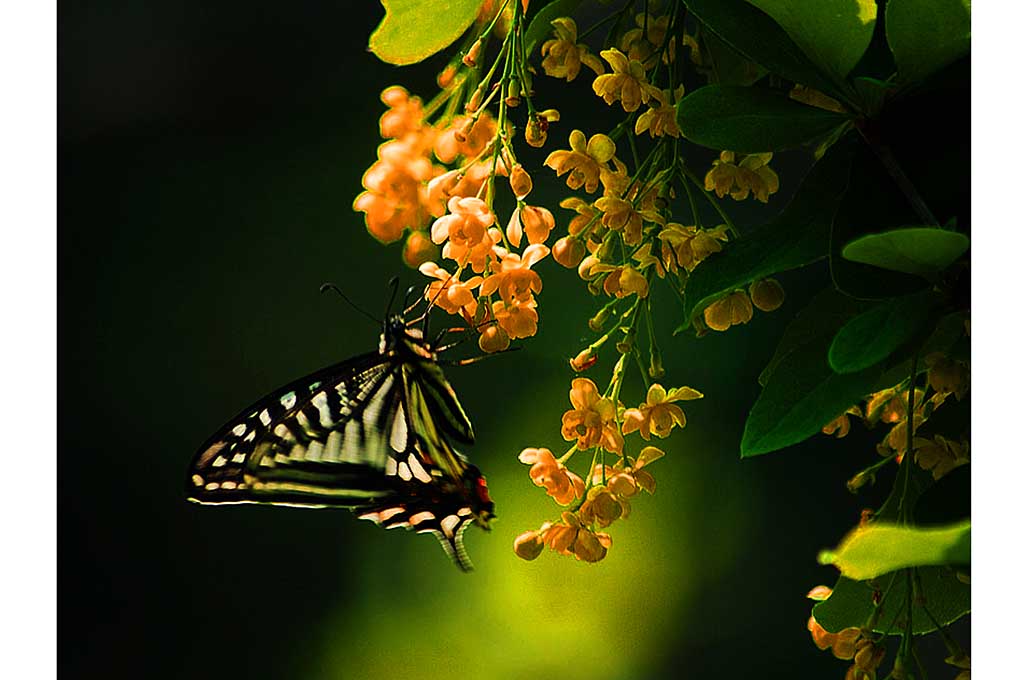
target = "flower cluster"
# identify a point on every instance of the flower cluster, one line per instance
(599, 421)
(848, 644)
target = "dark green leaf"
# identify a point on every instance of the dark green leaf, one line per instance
(751, 119)
(832, 33)
(729, 67)
(879, 548)
(540, 25)
(946, 598)
(873, 336)
(817, 323)
(758, 37)
(798, 236)
(413, 30)
(926, 35)
(948, 332)
(872, 202)
(924, 251)
(802, 394)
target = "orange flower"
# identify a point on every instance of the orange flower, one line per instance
(559, 482)
(603, 507)
(514, 277)
(573, 538)
(405, 116)
(448, 292)
(620, 214)
(537, 223)
(659, 412)
(585, 161)
(592, 422)
(628, 481)
(733, 309)
(493, 338)
(562, 56)
(520, 181)
(529, 545)
(843, 643)
(660, 120)
(467, 228)
(394, 196)
(568, 251)
(947, 375)
(586, 213)
(419, 249)
(685, 247)
(462, 137)
(627, 83)
(518, 318)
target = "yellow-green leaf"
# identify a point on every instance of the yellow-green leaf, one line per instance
(413, 30)
(875, 549)
(833, 33)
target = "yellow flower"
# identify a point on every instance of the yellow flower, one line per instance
(941, 455)
(947, 375)
(585, 161)
(685, 247)
(537, 129)
(752, 175)
(733, 309)
(562, 56)
(622, 281)
(639, 42)
(627, 83)
(620, 214)
(659, 412)
(660, 120)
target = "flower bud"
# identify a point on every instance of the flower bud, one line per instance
(493, 338)
(529, 545)
(859, 481)
(445, 77)
(520, 181)
(568, 251)
(584, 360)
(513, 94)
(538, 222)
(584, 269)
(464, 129)
(598, 322)
(767, 295)
(655, 368)
(471, 58)
(419, 249)
(474, 102)
(591, 547)
(536, 131)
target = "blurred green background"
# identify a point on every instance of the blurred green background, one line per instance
(209, 155)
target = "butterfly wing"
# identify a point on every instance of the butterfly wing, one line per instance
(359, 435)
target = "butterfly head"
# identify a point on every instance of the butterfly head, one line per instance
(398, 336)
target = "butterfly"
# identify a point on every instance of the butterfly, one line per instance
(371, 434)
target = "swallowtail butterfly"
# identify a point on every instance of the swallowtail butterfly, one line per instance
(371, 434)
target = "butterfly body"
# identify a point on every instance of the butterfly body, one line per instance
(371, 434)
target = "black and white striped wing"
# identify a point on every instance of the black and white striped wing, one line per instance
(354, 435)
(320, 441)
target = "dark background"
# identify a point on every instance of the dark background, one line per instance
(209, 154)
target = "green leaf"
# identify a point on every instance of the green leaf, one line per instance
(797, 237)
(541, 24)
(817, 323)
(925, 35)
(833, 33)
(729, 67)
(413, 30)
(873, 336)
(878, 548)
(946, 334)
(751, 119)
(801, 397)
(946, 598)
(924, 251)
(758, 37)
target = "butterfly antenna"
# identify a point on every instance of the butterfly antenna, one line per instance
(394, 285)
(333, 287)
